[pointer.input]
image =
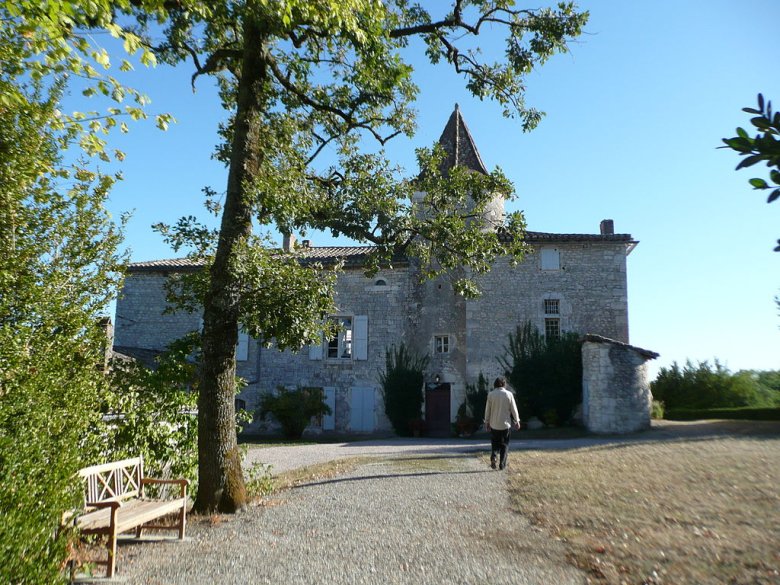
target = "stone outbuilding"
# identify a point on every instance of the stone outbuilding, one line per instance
(616, 394)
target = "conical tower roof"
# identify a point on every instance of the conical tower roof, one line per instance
(459, 145)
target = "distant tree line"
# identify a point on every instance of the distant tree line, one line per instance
(708, 386)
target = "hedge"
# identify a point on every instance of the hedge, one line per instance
(743, 413)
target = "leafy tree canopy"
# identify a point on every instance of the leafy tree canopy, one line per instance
(764, 147)
(303, 78)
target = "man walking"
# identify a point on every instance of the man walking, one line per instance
(500, 416)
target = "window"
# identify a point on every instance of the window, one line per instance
(380, 282)
(552, 328)
(340, 345)
(551, 259)
(552, 307)
(441, 343)
(349, 342)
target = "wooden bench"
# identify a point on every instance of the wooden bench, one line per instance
(115, 503)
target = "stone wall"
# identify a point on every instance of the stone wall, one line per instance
(590, 286)
(616, 395)
(388, 309)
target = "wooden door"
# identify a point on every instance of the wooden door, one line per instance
(437, 410)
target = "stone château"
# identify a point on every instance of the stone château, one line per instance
(570, 282)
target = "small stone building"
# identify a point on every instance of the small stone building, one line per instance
(616, 394)
(570, 282)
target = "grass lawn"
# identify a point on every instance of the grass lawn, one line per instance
(696, 510)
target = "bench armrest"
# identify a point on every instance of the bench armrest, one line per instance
(182, 483)
(105, 504)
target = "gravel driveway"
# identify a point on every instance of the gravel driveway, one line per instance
(426, 513)
(421, 511)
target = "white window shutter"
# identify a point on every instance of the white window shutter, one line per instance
(360, 337)
(551, 259)
(329, 420)
(242, 347)
(315, 351)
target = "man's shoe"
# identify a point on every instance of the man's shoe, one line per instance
(493, 463)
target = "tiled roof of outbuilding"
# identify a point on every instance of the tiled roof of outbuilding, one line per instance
(645, 353)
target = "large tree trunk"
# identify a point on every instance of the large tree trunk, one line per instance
(221, 483)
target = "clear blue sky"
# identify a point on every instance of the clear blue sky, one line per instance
(635, 114)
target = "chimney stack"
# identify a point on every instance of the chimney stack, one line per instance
(288, 242)
(306, 243)
(607, 227)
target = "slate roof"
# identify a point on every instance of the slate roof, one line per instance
(459, 145)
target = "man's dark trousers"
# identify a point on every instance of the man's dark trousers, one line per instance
(499, 442)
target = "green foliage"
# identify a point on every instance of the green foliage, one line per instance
(764, 147)
(151, 412)
(259, 481)
(59, 267)
(294, 409)
(545, 373)
(704, 386)
(402, 386)
(472, 410)
(742, 413)
(657, 410)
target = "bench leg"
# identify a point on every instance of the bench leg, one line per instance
(111, 546)
(139, 531)
(182, 522)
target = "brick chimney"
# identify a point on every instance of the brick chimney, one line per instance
(288, 242)
(306, 243)
(607, 227)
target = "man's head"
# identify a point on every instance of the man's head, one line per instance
(500, 382)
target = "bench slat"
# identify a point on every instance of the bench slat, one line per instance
(131, 515)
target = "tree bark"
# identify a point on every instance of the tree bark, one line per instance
(220, 478)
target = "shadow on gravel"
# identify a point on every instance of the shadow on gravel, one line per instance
(388, 476)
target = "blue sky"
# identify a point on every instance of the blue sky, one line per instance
(635, 114)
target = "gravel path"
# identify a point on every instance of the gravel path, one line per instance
(435, 516)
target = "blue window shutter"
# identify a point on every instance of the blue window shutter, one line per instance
(315, 351)
(242, 347)
(329, 420)
(360, 337)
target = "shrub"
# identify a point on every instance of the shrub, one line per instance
(657, 410)
(546, 374)
(59, 268)
(294, 409)
(472, 409)
(706, 386)
(402, 386)
(151, 412)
